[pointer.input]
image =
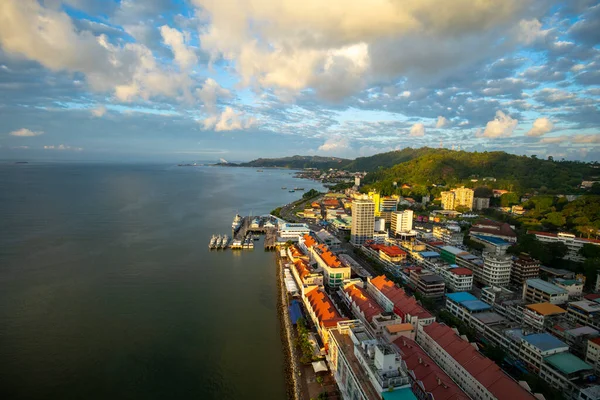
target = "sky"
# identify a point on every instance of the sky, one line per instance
(185, 80)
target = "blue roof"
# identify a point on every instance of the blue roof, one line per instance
(429, 254)
(295, 311)
(399, 394)
(493, 240)
(544, 341)
(460, 297)
(475, 305)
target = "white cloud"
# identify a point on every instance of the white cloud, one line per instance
(540, 127)
(23, 132)
(579, 139)
(184, 56)
(417, 129)
(63, 147)
(228, 120)
(501, 126)
(99, 111)
(442, 122)
(335, 144)
(210, 92)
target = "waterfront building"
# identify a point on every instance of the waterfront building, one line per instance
(479, 203)
(540, 291)
(477, 375)
(363, 221)
(360, 302)
(573, 286)
(322, 311)
(460, 197)
(305, 277)
(363, 366)
(524, 267)
(573, 243)
(289, 231)
(500, 230)
(495, 270)
(449, 234)
(395, 299)
(334, 270)
(402, 222)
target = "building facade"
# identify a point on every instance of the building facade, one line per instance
(402, 221)
(539, 291)
(460, 197)
(495, 270)
(363, 221)
(524, 267)
(573, 243)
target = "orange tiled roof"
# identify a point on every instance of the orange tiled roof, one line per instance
(484, 370)
(323, 308)
(402, 302)
(296, 252)
(363, 301)
(309, 241)
(302, 268)
(392, 251)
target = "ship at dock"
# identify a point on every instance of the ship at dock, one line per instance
(213, 242)
(237, 223)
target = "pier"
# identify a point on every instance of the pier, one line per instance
(243, 238)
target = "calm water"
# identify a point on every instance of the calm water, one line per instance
(108, 290)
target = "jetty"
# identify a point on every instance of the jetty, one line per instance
(244, 236)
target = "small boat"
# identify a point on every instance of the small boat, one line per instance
(284, 187)
(259, 170)
(224, 242)
(291, 191)
(255, 237)
(298, 188)
(213, 242)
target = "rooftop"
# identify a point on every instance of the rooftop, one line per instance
(586, 305)
(399, 328)
(459, 297)
(567, 363)
(431, 278)
(548, 234)
(323, 308)
(475, 305)
(309, 241)
(546, 309)
(546, 287)
(461, 271)
(403, 303)
(489, 318)
(453, 250)
(399, 394)
(544, 341)
(493, 240)
(429, 254)
(363, 301)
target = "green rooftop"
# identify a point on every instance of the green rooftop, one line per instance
(399, 394)
(567, 363)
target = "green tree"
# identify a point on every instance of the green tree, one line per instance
(554, 220)
(590, 251)
(509, 199)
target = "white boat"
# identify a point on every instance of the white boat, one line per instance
(237, 222)
(213, 242)
(224, 242)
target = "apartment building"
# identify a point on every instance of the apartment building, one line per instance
(458, 279)
(402, 222)
(322, 311)
(495, 270)
(500, 230)
(524, 267)
(449, 234)
(334, 270)
(428, 284)
(460, 197)
(585, 312)
(477, 375)
(573, 286)
(539, 291)
(592, 355)
(479, 203)
(573, 243)
(363, 221)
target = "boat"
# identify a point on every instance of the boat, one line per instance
(291, 191)
(213, 242)
(298, 188)
(255, 237)
(284, 187)
(259, 170)
(224, 241)
(237, 222)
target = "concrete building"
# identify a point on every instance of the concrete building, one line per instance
(538, 317)
(479, 203)
(524, 267)
(363, 221)
(537, 346)
(292, 232)
(449, 234)
(573, 243)
(495, 270)
(573, 286)
(402, 222)
(585, 312)
(330, 240)
(477, 375)
(539, 291)
(458, 279)
(460, 197)
(592, 355)
(334, 270)
(322, 311)
(500, 230)
(428, 284)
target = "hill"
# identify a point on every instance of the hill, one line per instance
(516, 173)
(298, 162)
(387, 160)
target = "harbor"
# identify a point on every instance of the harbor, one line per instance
(245, 231)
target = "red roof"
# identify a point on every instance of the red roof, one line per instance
(555, 235)
(426, 371)
(493, 228)
(461, 271)
(363, 301)
(302, 268)
(328, 257)
(403, 303)
(392, 251)
(596, 341)
(323, 308)
(309, 241)
(296, 252)
(484, 370)
(592, 296)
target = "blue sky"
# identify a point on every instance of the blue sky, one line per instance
(240, 79)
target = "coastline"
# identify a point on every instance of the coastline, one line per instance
(292, 370)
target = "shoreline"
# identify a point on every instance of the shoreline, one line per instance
(292, 370)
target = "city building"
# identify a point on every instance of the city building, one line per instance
(460, 197)
(387, 254)
(537, 346)
(573, 286)
(539, 291)
(334, 270)
(477, 375)
(427, 284)
(479, 203)
(330, 240)
(401, 222)
(458, 279)
(524, 267)
(363, 221)
(395, 299)
(449, 234)
(492, 244)
(541, 316)
(305, 277)
(573, 243)
(585, 312)
(360, 302)
(495, 270)
(322, 311)
(463, 305)
(593, 354)
(292, 232)
(500, 230)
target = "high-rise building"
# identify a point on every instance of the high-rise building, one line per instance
(384, 205)
(363, 221)
(479, 203)
(524, 267)
(460, 197)
(402, 221)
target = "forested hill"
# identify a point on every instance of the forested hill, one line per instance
(518, 173)
(389, 159)
(298, 162)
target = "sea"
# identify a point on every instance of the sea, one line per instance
(108, 289)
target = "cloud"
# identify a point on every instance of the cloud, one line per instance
(336, 144)
(23, 132)
(210, 92)
(501, 126)
(442, 122)
(99, 111)
(62, 147)
(184, 56)
(228, 120)
(579, 139)
(417, 129)
(540, 127)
